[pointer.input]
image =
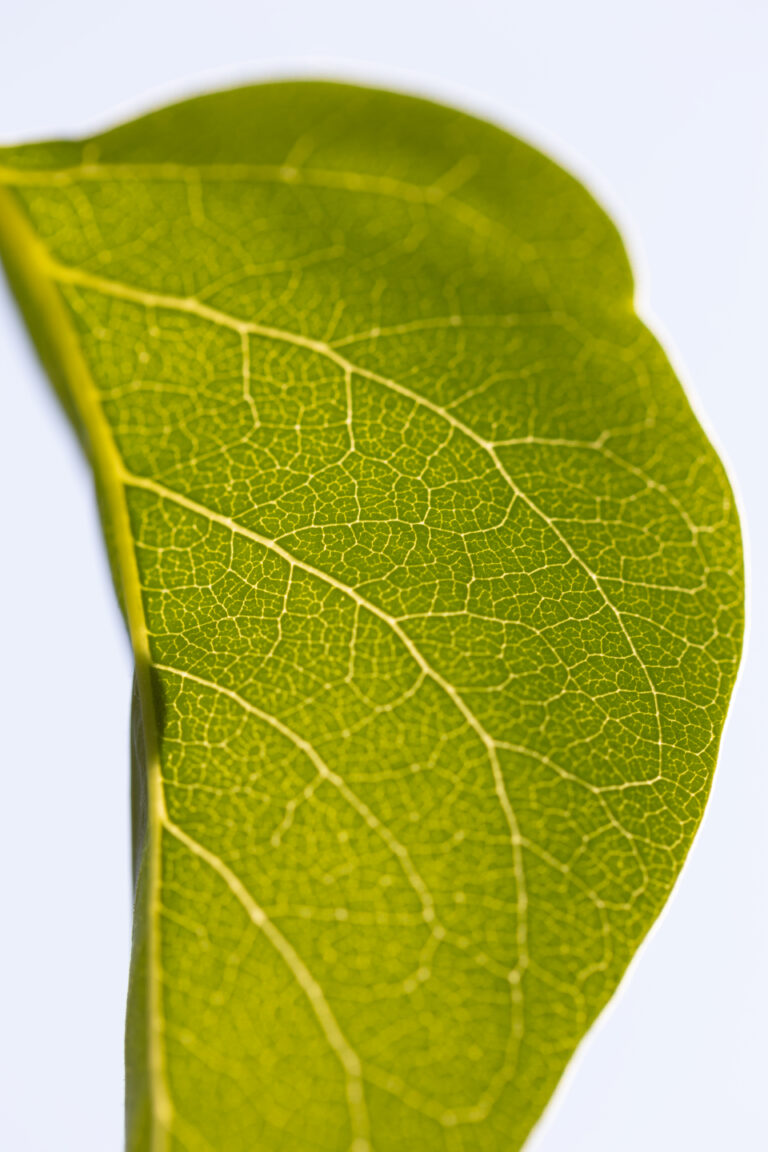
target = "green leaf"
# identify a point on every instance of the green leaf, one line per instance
(435, 591)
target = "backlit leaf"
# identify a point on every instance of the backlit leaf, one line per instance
(434, 587)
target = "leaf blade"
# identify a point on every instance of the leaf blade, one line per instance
(406, 493)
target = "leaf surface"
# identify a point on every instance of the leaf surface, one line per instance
(434, 586)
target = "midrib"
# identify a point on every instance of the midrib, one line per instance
(27, 262)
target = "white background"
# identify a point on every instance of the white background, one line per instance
(661, 106)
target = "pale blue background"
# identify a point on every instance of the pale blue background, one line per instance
(661, 105)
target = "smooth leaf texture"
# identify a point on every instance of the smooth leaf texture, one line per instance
(434, 586)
